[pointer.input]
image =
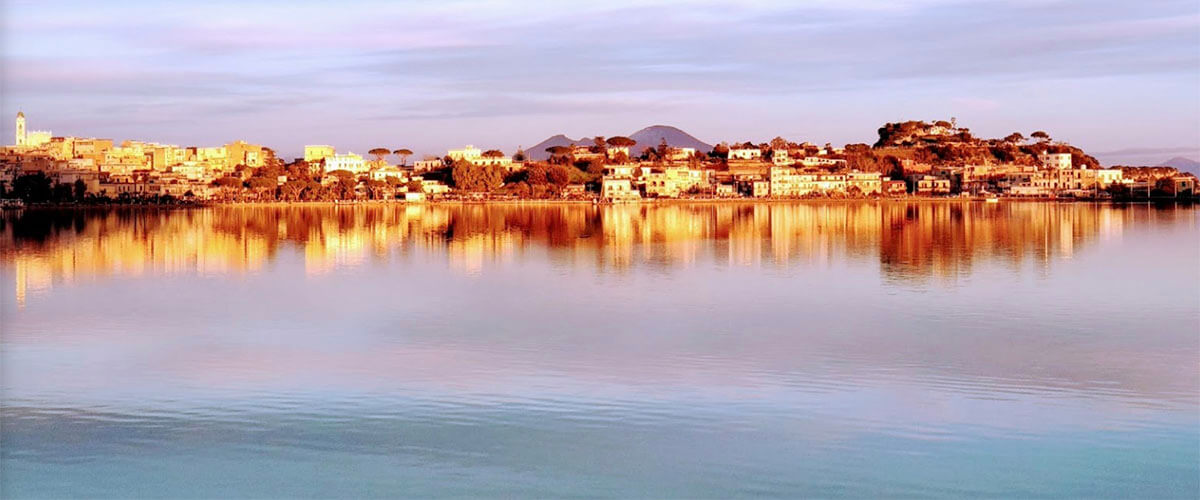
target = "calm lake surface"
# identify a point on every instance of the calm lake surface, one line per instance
(834, 350)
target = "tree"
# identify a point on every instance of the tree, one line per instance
(720, 151)
(519, 155)
(292, 189)
(621, 141)
(1014, 138)
(62, 193)
(379, 153)
(536, 174)
(779, 144)
(595, 167)
(558, 175)
(32, 188)
(1040, 135)
(415, 187)
(892, 168)
(403, 153)
(228, 182)
(470, 177)
(376, 189)
(80, 189)
(664, 150)
(261, 183)
(559, 154)
(493, 153)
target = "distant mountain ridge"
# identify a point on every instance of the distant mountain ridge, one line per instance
(651, 136)
(1184, 165)
(647, 137)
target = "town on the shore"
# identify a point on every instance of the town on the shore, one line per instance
(910, 159)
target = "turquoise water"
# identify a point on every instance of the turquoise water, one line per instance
(779, 350)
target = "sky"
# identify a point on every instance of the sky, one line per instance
(1119, 79)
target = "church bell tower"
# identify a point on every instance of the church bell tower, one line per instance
(20, 128)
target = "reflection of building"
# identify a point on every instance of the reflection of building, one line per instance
(911, 241)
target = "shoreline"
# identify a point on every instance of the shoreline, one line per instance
(645, 202)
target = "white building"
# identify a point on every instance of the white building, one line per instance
(427, 165)
(745, 154)
(318, 152)
(1109, 176)
(469, 153)
(677, 154)
(388, 172)
(614, 189)
(1060, 161)
(30, 138)
(191, 170)
(349, 162)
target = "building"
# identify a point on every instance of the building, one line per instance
(892, 187)
(431, 163)
(680, 154)
(350, 162)
(29, 138)
(613, 151)
(820, 161)
(865, 183)
(1180, 185)
(1060, 161)
(618, 189)
(388, 172)
(1108, 176)
(787, 182)
(91, 148)
(20, 126)
(622, 170)
(495, 161)
(316, 153)
(831, 183)
(242, 153)
(217, 157)
(929, 185)
(191, 170)
(469, 153)
(434, 187)
(744, 153)
(670, 182)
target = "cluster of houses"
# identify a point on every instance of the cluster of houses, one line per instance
(742, 170)
(748, 173)
(137, 168)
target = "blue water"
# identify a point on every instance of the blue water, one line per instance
(779, 350)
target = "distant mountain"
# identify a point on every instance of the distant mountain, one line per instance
(647, 137)
(1184, 165)
(538, 151)
(651, 136)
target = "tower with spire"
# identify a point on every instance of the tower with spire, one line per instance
(20, 128)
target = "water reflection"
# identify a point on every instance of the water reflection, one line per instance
(913, 242)
(721, 350)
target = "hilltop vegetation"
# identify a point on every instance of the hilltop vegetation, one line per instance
(945, 143)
